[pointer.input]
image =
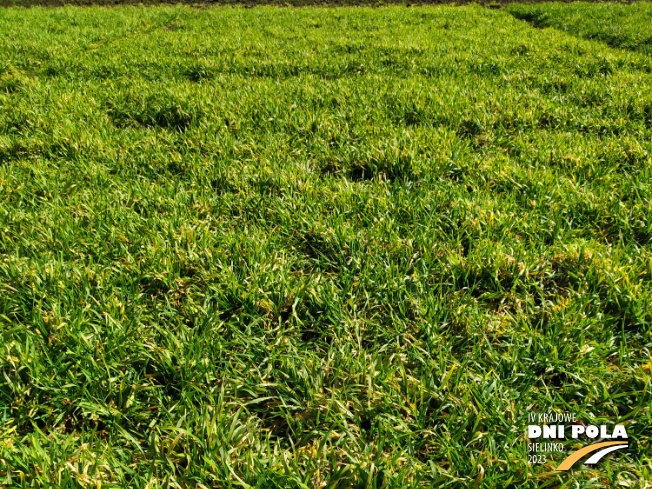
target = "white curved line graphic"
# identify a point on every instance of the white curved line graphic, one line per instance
(595, 458)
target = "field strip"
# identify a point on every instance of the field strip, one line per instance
(323, 247)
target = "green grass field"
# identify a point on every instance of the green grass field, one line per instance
(306, 248)
(618, 25)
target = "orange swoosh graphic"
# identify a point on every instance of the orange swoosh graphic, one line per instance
(574, 457)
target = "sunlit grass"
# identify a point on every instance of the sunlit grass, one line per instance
(317, 247)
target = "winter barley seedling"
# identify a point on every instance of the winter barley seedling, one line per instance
(340, 247)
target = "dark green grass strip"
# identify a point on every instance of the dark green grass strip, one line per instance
(625, 26)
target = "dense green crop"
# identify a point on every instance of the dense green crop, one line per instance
(317, 248)
(617, 24)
